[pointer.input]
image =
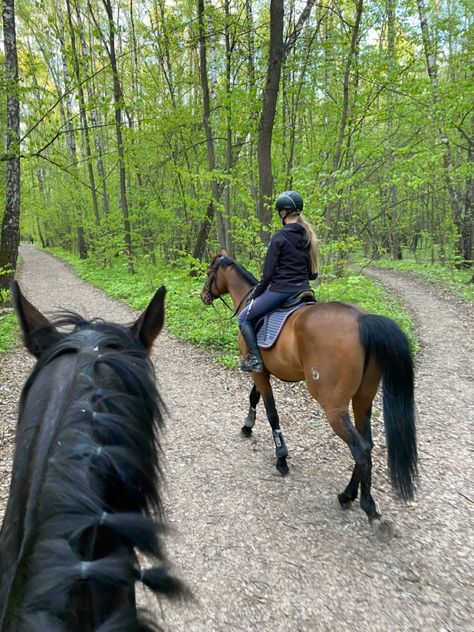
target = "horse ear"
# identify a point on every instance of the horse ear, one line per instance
(212, 255)
(150, 323)
(38, 332)
(224, 252)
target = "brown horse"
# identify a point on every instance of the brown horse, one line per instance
(342, 353)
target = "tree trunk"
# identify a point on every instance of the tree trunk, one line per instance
(332, 210)
(336, 162)
(277, 53)
(468, 224)
(40, 233)
(95, 116)
(10, 237)
(292, 117)
(211, 158)
(82, 114)
(392, 191)
(75, 214)
(200, 244)
(228, 245)
(118, 102)
(429, 47)
(267, 118)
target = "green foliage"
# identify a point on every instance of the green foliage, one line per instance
(384, 182)
(8, 332)
(4, 293)
(388, 186)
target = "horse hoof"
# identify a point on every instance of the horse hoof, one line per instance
(344, 501)
(383, 529)
(282, 467)
(247, 432)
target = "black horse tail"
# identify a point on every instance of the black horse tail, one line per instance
(383, 338)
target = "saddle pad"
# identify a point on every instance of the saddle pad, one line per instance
(273, 323)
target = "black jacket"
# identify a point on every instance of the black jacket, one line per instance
(287, 266)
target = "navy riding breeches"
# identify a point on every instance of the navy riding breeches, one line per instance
(262, 304)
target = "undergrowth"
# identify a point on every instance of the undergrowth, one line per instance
(8, 332)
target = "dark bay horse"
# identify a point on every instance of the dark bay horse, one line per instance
(342, 353)
(84, 489)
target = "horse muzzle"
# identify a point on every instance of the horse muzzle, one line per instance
(206, 297)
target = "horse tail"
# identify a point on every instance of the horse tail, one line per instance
(384, 339)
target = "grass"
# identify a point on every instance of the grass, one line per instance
(371, 296)
(188, 319)
(8, 332)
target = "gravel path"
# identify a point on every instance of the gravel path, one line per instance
(267, 554)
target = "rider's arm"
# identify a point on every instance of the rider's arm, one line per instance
(269, 266)
(312, 276)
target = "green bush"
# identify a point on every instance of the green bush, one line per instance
(8, 332)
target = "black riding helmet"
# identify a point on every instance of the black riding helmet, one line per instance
(291, 202)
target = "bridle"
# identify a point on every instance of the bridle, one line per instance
(209, 296)
(211, 278)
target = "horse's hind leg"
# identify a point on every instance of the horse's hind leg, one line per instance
(262, 383)
(362, 414)
(254, 398)
(360, 445)
(350, 493)
(362, 408)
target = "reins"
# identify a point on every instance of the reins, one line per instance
(237, 309)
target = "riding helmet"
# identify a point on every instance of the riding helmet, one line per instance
(289, 201)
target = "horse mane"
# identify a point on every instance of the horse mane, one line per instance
(243, 272)
(100, 476)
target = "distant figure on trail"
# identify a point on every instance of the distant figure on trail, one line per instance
(290, 263)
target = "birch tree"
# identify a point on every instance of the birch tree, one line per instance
(10, 237)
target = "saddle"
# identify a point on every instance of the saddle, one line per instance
(269, 326)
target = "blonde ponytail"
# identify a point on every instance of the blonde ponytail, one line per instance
(313, 241)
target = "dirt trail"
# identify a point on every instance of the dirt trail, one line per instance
(267, 554)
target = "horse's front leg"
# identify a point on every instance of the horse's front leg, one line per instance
(254, 398)
(262, 383)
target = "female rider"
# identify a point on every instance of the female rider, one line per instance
(290, 263)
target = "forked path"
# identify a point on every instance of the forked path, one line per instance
(267, 554)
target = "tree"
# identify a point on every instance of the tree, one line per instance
(277, 52)
(82, 111)
(118, 105)
(267, 117)
(211, 153)
(10, 237)
(430, 47)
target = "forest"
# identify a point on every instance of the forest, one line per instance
(157, 129)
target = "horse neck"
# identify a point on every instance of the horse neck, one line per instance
(237, 287)
(79, 419)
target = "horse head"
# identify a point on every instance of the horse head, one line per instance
(214, 285)
(85, 484)
(39, 334)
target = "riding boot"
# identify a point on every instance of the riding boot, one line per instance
(253, 362)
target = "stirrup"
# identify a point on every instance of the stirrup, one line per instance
(252, 364)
